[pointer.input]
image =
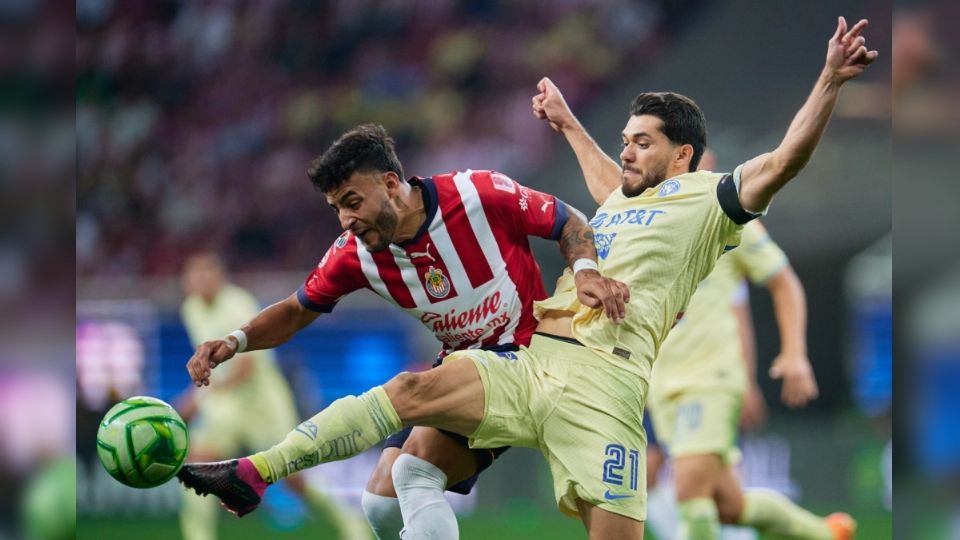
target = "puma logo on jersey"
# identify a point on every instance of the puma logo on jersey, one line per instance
(423, 254)
(545, 205)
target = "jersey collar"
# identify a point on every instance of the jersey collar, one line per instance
(428, 190)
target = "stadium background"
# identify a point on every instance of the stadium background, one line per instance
(196, 121)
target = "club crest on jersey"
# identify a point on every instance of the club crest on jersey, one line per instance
(341, 241)
(436, 283)
(668, 188)
(602, 242)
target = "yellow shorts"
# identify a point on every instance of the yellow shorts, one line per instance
(581, 410)
(226, 427)
(701, 422)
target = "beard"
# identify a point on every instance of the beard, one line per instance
(648, 179)
(385, 227)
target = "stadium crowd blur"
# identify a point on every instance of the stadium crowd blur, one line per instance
(196, 121)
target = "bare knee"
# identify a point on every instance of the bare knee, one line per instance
(728, 513)
(696, 476)
(728, 495)
(407, 392)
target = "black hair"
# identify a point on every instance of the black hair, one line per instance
(683, 121)
(364, 148)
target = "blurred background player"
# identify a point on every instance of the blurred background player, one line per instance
(247, 406)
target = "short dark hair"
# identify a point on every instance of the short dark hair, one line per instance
(364, 148)
(683, 121)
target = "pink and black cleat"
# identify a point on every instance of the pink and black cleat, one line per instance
(235, 482)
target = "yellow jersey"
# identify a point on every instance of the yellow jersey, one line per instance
(661, 243)
(703, 351)
(231, 308)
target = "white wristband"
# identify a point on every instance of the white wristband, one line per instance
(241, 338)
(585, 264)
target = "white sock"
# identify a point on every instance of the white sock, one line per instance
(426, 513)
(383, 514)
(662, 514)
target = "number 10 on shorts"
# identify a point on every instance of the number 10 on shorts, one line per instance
(614, 465)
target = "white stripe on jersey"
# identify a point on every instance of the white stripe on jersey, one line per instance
(369, 268)
(444, 245)
(409, 274)
(488, 244)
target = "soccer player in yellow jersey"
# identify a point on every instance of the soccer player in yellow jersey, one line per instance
(577, 392)
(248, 406)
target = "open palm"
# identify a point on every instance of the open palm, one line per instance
(847, 53)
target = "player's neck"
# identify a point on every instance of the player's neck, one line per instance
(411, 214)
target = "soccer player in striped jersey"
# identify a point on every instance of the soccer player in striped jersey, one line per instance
(452, 250)
(577, 391)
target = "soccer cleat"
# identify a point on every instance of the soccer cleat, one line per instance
(235, 482)
(841, 525)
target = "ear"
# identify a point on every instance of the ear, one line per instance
(684, 155)
(392, 181)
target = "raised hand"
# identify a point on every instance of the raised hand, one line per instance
(847, 53)
(549, 105)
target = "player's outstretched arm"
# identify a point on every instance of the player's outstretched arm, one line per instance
(599, 170)
(271, 327)
(593, 290)
(763, 176)
(792, 364)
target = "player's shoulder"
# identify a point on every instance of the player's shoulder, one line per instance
(344, 248)
(485, 181)
(696, 180)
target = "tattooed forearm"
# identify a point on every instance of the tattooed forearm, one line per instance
(576, 238)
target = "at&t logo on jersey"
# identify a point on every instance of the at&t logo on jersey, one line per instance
(668, 188)
(436, 283)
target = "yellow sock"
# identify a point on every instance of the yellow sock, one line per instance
(699, 519)
(770, 512)
(347, 427)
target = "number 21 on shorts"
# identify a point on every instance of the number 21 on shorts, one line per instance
(615, 463)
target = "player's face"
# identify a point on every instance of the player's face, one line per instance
(646, 155)
(363, 206)
(203, 275)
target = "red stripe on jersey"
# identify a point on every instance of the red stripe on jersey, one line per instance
(390, 275)
(461, 233)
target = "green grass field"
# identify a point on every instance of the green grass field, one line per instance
(521, 523)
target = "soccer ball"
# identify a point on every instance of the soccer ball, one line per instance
(142, 442)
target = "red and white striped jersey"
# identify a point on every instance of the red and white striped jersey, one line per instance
(468, 275)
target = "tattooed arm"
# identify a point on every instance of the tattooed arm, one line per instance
(593, 290)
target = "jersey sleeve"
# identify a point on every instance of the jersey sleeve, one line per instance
(337, 275)
(759, 256)
(728, 193)
(519, 208)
